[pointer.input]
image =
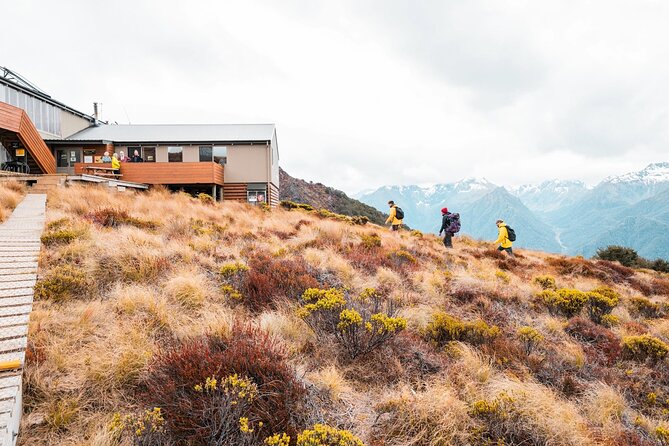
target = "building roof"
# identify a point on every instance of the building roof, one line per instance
(176, 133)
(12, 78)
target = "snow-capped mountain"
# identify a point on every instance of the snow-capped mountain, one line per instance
(557, 215)
(550, 195)
(653, 174)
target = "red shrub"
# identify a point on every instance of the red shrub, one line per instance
(111, 218)
(269, 279)
(249, 352)
(605, 345)
(368, 260)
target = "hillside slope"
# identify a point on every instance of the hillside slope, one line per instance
(323, 197)
(228, 324)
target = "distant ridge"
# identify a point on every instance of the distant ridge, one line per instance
(321, 196)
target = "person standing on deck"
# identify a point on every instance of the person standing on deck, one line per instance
(116, 164)
(106, 158)
(135, 158)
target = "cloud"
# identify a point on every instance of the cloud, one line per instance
(371, 93)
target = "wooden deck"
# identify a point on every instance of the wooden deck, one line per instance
(19, 252)
(165, 173)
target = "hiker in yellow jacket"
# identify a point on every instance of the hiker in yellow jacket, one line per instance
(503, 239)
(395, 223)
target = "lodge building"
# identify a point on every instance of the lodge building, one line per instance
(39, 135)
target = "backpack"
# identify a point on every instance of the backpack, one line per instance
(399, 213)
(512, 234)
(455, 224)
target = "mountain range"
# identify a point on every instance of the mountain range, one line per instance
(556, 216)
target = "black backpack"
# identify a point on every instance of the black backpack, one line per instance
(399, 213)
(512, 233)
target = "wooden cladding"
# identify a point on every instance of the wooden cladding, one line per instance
(273, 195)
(165, 173)
(234, 192)
(16, 120)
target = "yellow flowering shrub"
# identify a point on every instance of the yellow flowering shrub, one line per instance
(323, 435)
(609, 320)
(205, 199)
(444, 328)
(662, 435)
(147, 428)
(502, 276)
(277, 440)
(569, 302)
(644, 307)
(644, 347)
(358, 325)
(601, 301)
(370, 241)
(403, 257)
(530, 337)
(545, 282)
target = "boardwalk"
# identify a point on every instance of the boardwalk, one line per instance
(19, 250)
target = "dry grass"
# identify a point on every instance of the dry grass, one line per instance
(151, 288)
(11, 194)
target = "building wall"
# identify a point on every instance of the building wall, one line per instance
(275, 160)
(71, 124)
(247, 164)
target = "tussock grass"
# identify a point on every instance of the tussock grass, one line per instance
(134, 291)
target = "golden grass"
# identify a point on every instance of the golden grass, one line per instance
(11, 194)
(150, 287)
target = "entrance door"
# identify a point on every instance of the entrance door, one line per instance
(65, 159)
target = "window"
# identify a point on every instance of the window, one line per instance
(131, 151)
(205, 153)
(149, 154)
(256, 193)
(175, 154)
(220, 154)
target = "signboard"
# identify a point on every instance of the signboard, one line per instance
(20, 152)
(88, 159)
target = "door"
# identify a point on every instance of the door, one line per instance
(65, 159)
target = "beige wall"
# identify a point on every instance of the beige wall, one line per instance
(275, 160)
(247, 164)
(191, 154)
(71, 124)
(161, 154)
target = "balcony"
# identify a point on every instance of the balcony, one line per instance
(165, 173)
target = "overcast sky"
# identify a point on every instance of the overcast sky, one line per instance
(371, 93)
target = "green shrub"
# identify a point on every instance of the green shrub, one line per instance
(625, 256)
(358, 325)
(147, 428)
(546, 282)
(644, 307)
(61, 284)
(601, 301)
(370, 241)
(205, 199)
(502, 276)
(286, 204)
(566, 301)
(530, 337)
(644, 347)
(233, 273)
(444, 328)
(59, 237)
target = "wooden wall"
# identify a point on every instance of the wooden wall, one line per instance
(234, 192)
(165, 173)
(273, 195)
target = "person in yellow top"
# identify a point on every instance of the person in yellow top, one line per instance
(116, 164)
(503, 239)
(395, 223)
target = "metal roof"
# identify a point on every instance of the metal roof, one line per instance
(176, 133)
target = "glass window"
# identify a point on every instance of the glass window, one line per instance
(131, 151)
(220, 154)
(175, 154)
(256, 193)
(149, 154)
(205, 153)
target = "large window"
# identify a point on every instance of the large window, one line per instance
(220, 154)
(217, 154)
(175, 154)
(45, 116)
(206, 154)
(256, 193)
